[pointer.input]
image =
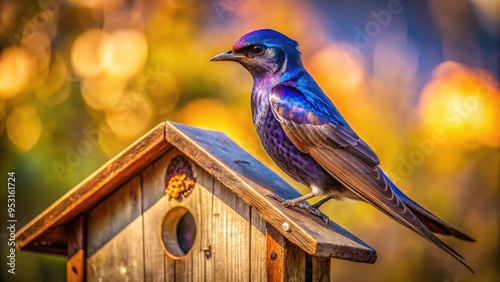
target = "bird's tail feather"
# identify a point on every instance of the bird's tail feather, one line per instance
(437, 223)
(426, 233)
(434, 223)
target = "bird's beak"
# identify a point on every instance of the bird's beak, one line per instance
(227, 56)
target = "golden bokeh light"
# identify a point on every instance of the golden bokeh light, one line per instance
(102, 92)
(98, 4)
(163, 90)
(212, 114)
(39, 47)
(2, 116)
(125, 52)
(16, 69)
(54, 88)
(109, 143)
(463, 103)
(338, 73)
(131, 116)
(206, 113)
(24, 127)
(182, 4)
(86, 57)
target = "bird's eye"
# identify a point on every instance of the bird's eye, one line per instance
(258, 49)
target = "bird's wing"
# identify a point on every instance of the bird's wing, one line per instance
(312, 124)
(314, 129)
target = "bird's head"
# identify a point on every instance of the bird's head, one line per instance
(263, 52)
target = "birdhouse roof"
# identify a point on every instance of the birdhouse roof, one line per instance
(213, 151)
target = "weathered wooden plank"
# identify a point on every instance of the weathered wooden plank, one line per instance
(285, 261)
(95, 187)
(120, 259)
(75, 266)
(158, 267)
(76, 233)
(258, 252)
(115, 236)
(205, 183)
(321, 269)
(275, 255)
(53, 242)
(295, 258)
(231, 227)
(252, 182)
(154, 210)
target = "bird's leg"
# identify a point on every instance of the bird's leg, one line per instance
(300, 203)
(292, 202)
(322, 201)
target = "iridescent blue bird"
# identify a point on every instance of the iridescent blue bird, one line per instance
(307, 137)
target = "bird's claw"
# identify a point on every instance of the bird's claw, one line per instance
(313, 210)
(301, 205)
(284, 202)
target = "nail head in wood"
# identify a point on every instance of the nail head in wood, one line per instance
(286, 226)
(274, 256)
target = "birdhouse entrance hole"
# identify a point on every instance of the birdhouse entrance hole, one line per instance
(178, 232)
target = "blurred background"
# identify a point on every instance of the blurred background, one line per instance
(418, 80)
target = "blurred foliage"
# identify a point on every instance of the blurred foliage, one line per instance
(418, 80)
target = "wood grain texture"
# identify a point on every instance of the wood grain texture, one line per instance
(158, 266)
(53, 242)
(154, 209)
(320, 269)
(75, 267)
(285, 261)
(76, 234)
(231, 235)
(94, 188)
(252, 181)
(224, 227)
(295, 262)
(77, 256)
(192, 267)
(115, 236)
(205, 185)
(275, 255)
(258, 250)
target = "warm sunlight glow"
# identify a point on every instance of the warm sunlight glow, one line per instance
(98, 4)
(16, 70)
(131, 115)
(24, 127)
(340, 75)
(86, 52)
(125, 53)
(463, 103)
(211, 114)
(102, 92)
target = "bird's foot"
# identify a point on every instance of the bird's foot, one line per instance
(284, 202)
(302, 205)
(313, 210)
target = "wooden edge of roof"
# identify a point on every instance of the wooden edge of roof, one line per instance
(227, 162)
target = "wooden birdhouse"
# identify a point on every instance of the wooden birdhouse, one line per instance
(187, 204)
